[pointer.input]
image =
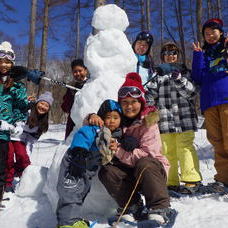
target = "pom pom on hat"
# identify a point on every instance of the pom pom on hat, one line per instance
(47, 96)
(8, 52)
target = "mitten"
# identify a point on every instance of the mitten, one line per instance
(18, 130)
(77, 161)
(176, 75)
(35, 76)
(129, 143)
(103, 142)
(4, 126)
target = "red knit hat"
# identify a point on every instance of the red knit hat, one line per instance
(213, 22)
(134, 80)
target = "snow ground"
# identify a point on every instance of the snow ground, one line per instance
(30, 207)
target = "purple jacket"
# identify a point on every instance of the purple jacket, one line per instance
(213, 86)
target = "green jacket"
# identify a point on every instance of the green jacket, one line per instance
(14, 98)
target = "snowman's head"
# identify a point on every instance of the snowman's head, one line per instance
(110, 16)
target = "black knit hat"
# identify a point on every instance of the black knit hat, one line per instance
(108, 106)
(146, 36)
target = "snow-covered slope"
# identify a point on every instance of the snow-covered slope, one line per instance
(31, 208)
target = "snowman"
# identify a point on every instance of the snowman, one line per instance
(108, 56)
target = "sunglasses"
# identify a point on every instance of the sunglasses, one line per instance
(129, 91)
(7, 54)
(170, 52)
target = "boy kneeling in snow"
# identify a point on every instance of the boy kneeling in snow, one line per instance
(88, 150)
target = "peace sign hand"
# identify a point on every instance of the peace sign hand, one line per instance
(196, 46)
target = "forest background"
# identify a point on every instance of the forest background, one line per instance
(68, 22)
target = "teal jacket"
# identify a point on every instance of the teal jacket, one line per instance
(11, 99)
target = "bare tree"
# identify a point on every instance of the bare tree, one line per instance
(198, 20)
(192, 22)
(178, 7)
(4, 9)
(78, 29)
(31, 47)
(208, 8)
(162, 21)
(142, 5)
(148, 21)
(117, 2)
(219, 9)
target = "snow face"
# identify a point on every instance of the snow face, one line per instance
(109, 57)
(110, 16)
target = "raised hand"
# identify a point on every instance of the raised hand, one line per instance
(196, 46)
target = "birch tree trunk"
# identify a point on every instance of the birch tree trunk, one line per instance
(142, 4)
(180, 28)
(148, 21)
(78, 29)
(31, 48)
(43, 55)
(198, 21)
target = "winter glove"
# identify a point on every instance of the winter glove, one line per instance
(18, 130)
(35, 76)
(129, 143)
(103, 142)
(150, 115)
(176, 75)
(4, 126)
(77, 161)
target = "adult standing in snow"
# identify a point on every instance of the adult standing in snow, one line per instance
(210, 72)
(174, 94)
(142, 48)
(80, 75)
(146, 159)
(28, 133)
(12, 96)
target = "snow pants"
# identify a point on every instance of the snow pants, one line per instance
(72, 192)
(18, 165)
(119, 180)
(4, 147)
(180, 151)
(216, 122)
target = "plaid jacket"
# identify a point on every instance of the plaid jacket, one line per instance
(175, 101)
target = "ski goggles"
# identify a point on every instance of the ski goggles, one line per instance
(129, 91)
(7, 54)
(173, 52)
(145, 36)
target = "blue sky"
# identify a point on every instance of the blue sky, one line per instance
(20, 30)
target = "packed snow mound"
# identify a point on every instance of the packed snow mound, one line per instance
(110, 16)
(32, 181)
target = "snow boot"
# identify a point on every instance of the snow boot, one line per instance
(1, 195)
(163, 216)
(190, 188)
(80, 223)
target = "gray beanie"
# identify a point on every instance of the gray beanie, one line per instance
(47, 96)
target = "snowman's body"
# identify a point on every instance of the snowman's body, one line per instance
(109, 57)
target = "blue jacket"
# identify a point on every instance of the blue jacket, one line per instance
(213, 85)
(85, 138)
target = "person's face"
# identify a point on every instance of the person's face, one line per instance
(79, 73)
(131, 107)
(170, 58)
(141, 47)
(112, 120)
(5, 66)
(212, 36)
(42, 107)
